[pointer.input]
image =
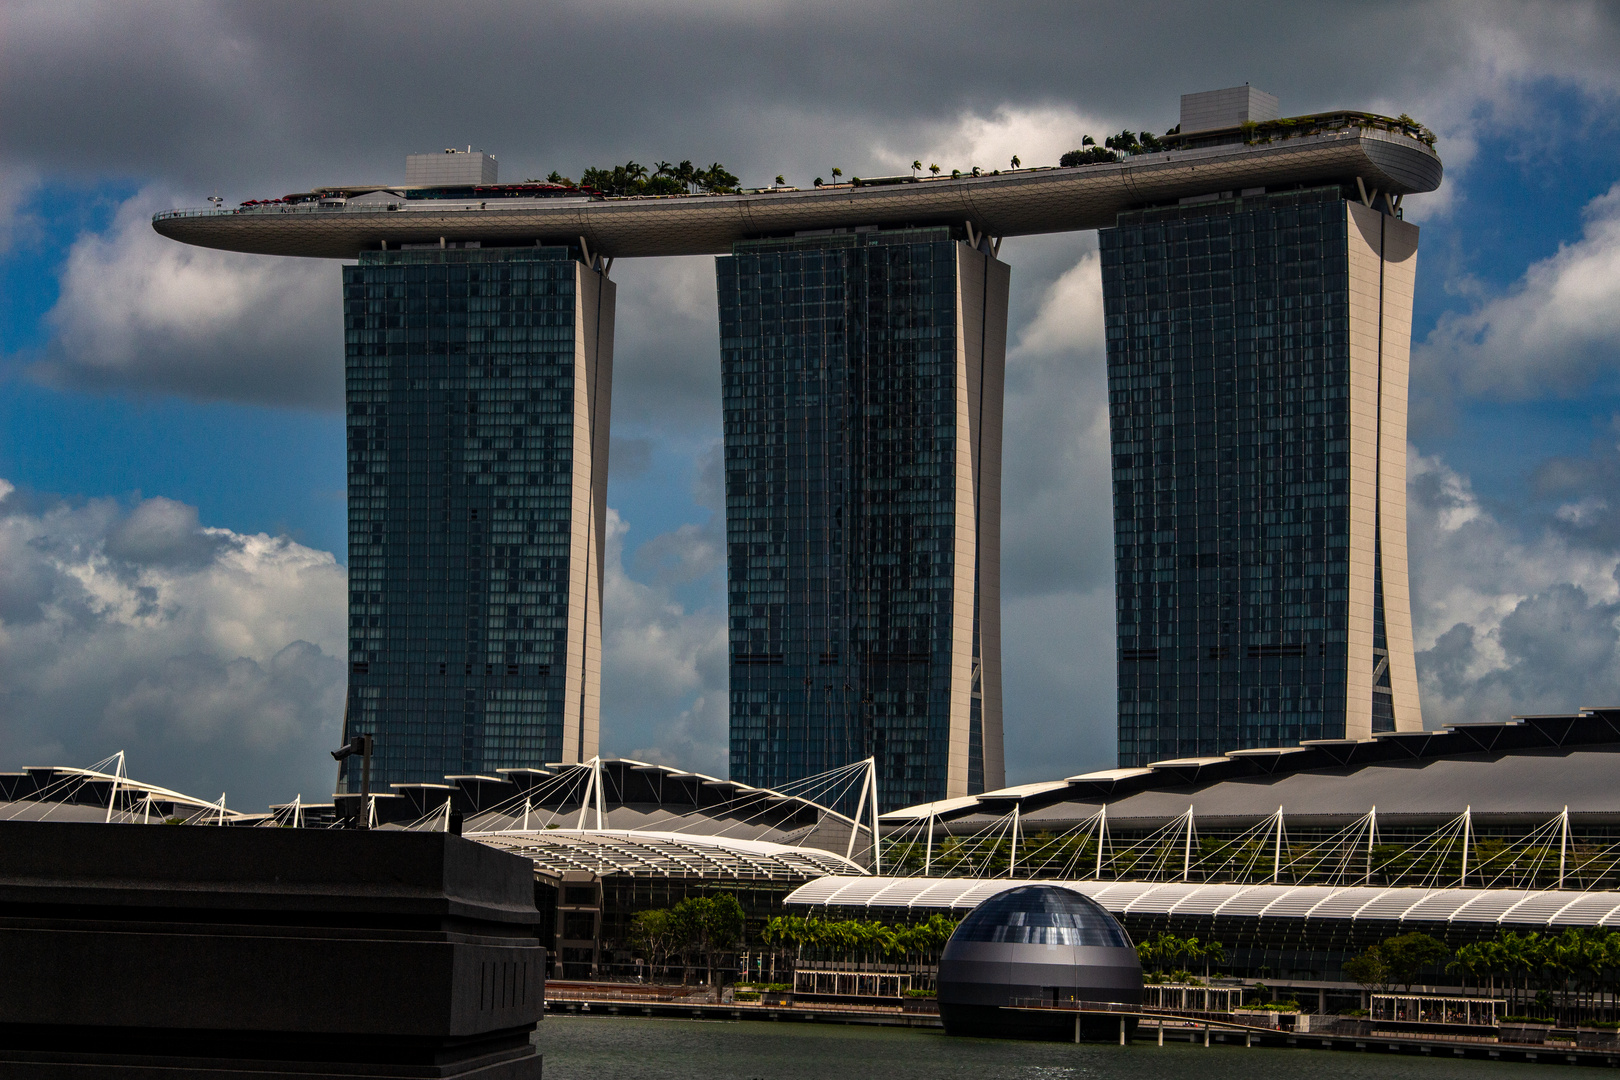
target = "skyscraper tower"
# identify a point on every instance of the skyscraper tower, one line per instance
(479, 385)
(1258, 347)
(862, 376)
(1259, 300)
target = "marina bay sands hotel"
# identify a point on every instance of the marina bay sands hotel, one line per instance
(1258, 280)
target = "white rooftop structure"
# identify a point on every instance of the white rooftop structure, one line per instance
(451, 168)
(1215, 110)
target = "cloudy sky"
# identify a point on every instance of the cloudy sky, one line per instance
(172, 559)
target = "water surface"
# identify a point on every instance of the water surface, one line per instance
(619, 1048)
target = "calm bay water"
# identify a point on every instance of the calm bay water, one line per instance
(615, 1048)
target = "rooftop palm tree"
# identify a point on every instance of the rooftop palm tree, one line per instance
(1015, 161)
(915, 165)
(837, 172)
(781, 181)
(934, 169)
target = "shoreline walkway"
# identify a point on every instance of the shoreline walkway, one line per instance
(642, 1000)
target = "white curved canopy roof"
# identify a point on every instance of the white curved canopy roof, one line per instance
(659, 854)
(1511, 907)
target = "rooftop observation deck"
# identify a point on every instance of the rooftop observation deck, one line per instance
(1388, 158)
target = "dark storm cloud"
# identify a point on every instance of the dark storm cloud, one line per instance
(271, 95)
(249, 100)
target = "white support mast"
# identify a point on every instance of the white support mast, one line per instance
(1372, 837)
(1012, 861)
(1186, 849)
(112, 793)
(1563, 844)
(1468, 842)
(1102, 838)
(877, 851)
(597, 763)
(860, 808)
(591, 778)
(928, 849)
(1276, 850)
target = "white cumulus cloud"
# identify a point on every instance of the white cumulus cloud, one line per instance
(1505, 623)
(1553, 332)
(138, 312)
(214, 658)
(664, 679)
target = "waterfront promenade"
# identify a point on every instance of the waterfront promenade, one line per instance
(619, 1048)
(1152, 1026)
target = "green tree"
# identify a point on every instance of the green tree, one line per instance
(781, 181)
(709, 925)
(1369, 970)
(717, 180)
(1407, 955)
(1015, 161)
(916, 165)
(836, 173)
(934, 169)
(654, 932)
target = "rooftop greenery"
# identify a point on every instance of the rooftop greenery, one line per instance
(664, 178)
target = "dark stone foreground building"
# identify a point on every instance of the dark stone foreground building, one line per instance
(166, 952)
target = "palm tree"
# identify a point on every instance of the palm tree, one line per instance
(915, 165)
(781, 181)
(837, 172)
(934, 169)
(1015, 161)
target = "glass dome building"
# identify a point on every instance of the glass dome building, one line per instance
(1034, 946)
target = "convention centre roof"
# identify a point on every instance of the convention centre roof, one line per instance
(621, 795)
(102, 793)
(1501, 907)
(603, 818)
(1386, 158)
(609, 817)
(607, 853)
(1527, 770)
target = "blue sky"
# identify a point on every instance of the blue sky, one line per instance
(172, 518)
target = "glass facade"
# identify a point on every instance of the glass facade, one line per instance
(1250, 581)
(862, 399)
(477, 414)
